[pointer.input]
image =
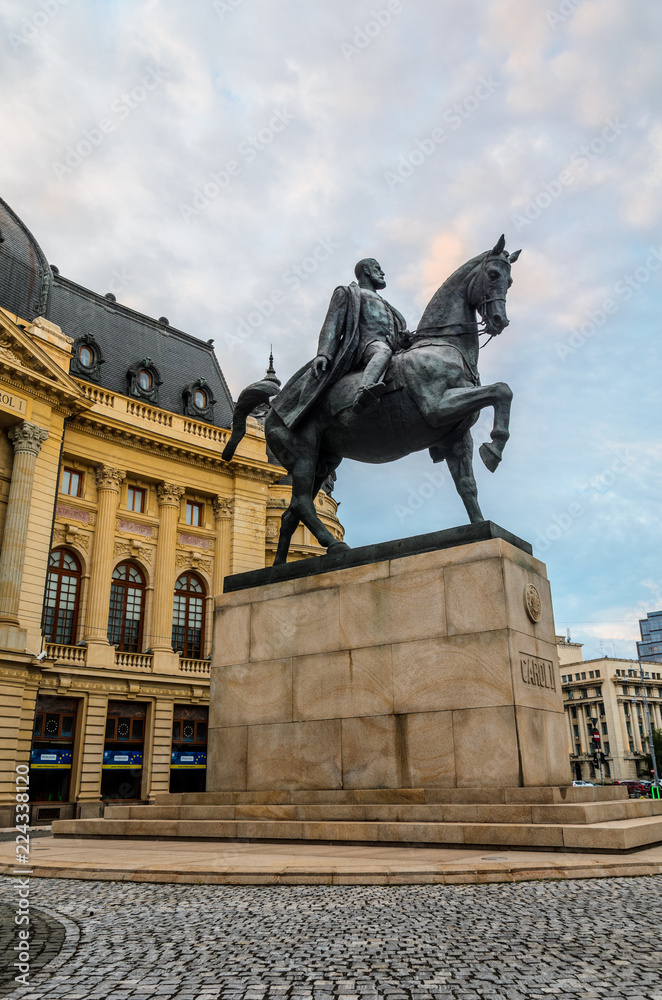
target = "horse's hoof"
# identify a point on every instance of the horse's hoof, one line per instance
(337, 548)
(490, 456)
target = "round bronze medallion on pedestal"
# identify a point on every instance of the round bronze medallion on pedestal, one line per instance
(532, 603)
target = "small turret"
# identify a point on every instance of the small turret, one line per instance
(271, 371)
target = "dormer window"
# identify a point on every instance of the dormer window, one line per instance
(143, 381)
(86, 358)
(198, 400)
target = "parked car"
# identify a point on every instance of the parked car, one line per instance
(636, 789)
(582, 783)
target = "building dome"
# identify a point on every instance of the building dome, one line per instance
(25, 276)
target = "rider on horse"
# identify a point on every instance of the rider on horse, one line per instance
(361, 331)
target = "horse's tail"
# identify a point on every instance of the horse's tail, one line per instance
(252, 396)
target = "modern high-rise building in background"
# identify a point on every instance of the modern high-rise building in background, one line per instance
(650, 646)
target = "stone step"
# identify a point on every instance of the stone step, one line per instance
(589, 812)
(615, 835)
(392, 796)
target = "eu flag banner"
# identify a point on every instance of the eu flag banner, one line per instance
(188, 759)
(122, 760)
(51, 759)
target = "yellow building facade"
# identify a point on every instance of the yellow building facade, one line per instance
(118, 523)
(606, 695)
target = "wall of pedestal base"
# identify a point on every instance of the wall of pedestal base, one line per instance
(431, 670)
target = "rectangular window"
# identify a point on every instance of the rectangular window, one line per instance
(71, 482)
(123, 729)
(574, 712)
(67, 727)
(135, 500)
(55, 719)
(193, 514)
(190, 724)
(603, 727)
(597, 673)
(607, 749)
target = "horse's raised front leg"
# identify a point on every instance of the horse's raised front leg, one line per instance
(491, 452)
(460, 403)
(459, 458)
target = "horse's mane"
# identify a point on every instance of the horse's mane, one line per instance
(445, 301)
(465, 270)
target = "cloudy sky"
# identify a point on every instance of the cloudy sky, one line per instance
(198, 158)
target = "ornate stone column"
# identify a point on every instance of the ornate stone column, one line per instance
(27, 440)
(169, 497)
(109, 481)
(223, 508)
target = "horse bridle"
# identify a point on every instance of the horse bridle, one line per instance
(480, 308)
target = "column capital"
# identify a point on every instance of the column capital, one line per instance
(109, 478)
(169, 495)
(27, 437)
(223, 506)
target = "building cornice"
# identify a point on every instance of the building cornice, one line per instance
(157, 444)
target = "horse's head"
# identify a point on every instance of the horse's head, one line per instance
(489, 286)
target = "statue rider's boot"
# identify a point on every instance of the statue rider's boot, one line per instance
(368, 395)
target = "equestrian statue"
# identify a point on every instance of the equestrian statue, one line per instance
(376, 392)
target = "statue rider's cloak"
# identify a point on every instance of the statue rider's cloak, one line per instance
(339, 342)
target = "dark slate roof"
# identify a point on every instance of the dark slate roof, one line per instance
(126, 337)
(25, 277)
(30, 288)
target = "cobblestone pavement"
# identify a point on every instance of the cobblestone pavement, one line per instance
(575, 939)
(46, 940)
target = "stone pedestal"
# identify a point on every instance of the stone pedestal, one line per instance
(429, 670)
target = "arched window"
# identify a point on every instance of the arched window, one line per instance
(62, 590)
(127, 601)
(188, 616)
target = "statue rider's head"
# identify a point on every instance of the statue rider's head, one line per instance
(369, 273)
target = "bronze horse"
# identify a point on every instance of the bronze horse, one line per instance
(433, 397)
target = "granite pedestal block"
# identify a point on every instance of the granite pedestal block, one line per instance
(431, 670)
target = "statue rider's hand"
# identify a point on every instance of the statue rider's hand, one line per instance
(319, 365)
